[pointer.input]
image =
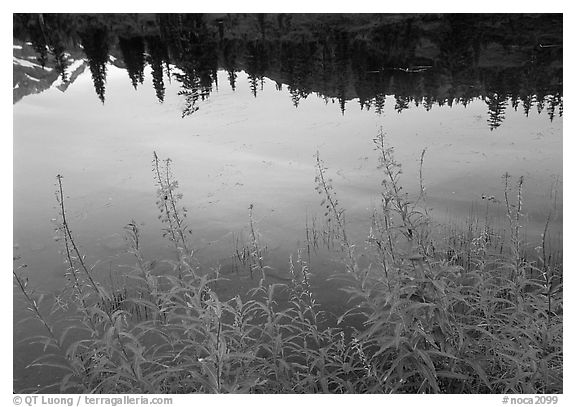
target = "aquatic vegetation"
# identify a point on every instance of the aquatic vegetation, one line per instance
(430, 309)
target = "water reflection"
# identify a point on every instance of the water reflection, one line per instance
(95, 45)
(421, 60)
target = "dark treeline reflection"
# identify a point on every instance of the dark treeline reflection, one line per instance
(422, 60)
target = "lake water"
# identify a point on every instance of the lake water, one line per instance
(253, 142)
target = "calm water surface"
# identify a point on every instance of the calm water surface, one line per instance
(236, 150)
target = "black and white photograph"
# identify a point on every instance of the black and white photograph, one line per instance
(287, 203)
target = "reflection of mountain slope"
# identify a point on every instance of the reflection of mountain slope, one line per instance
(29, 77)
(76, 69)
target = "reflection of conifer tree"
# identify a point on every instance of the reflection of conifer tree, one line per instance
(465, 101)
(554, 101)
(342, 59)
(297, 94)
(550, 108)
(365, 103)
(157, 54)
(527, 103)
(207, 78)
(95, 43)
(294, 95)
(341, 90)
(214, 76)
(203, 59)
(253, 81)
(165, 36)
(515, 101)
(419, 91)
(61, 62)
(133, 54)
(325, 64)
(195, 87)
(450, 99)
(402, 103)
(190, 90)
(194, 52)
(379, 101)
(511, 85)
(428, 102)
(257, 65)
(496, 108)
(540, 99)
(232, 76)
(168, 69)
(342, 101)
(296, 63)
(229, 49)
(363, 68)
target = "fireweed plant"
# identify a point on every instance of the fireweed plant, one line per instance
(436, 309)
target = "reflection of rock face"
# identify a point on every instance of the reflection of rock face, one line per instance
(30, 77)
